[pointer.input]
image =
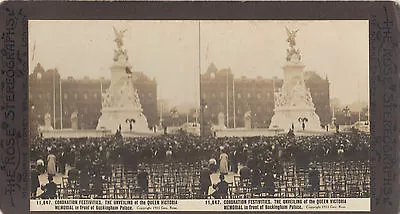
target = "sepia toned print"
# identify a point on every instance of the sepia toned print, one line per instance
(199, 110)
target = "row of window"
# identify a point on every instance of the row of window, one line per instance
(238, 95)
(76, 96)
(258, 109)
(250, 95)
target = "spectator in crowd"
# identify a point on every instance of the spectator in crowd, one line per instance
(245, 173)
(205, 181)
(256, 178)
(234, 160)
(84, 181)
(221, 188)
(213, 165)
(34, 181)
(97, 181)
(223, 162)
(40, 166)
(269, 185)
(142, 180)
(49, 190)
(51, 164)
(73, 175)
(314, 179)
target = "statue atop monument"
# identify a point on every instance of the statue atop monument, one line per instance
(292, 55)
(119, 35)
(291, 37)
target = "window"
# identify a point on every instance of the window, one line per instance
(249, 95)
(239, 95)
(65, 96)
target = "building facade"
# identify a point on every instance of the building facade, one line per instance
(48, 93)
(221, 92)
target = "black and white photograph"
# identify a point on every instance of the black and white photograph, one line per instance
(285, 104)
(201, 110)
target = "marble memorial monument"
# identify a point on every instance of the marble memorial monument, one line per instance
(121, 108)
(293, 102)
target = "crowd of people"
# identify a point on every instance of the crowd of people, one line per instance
(260, 154)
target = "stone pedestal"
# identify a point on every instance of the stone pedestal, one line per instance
(74, 121)
(113, 118)
(47, 123)
(293, 101)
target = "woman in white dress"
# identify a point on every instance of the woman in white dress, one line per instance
(223, 164)
(51, 164)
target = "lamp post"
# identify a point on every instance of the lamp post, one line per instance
(130, 121)
(303, 120)
(347, 114)
(33, 122)
(203, 106)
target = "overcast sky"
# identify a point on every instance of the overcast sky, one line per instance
(169, 51)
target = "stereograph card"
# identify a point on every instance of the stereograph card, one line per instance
(199, 107)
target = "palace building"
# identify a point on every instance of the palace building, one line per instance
(48, 93)
(222, 92)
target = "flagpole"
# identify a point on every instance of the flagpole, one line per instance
(199, 88)
(61, 111)
(359, 111)
(101, 89)
(234, 103)
(54, 98)
(161, 111)
(227, 99)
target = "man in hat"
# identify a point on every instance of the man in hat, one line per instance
(142, 181)
(49, 190)
(205, 181)
(34, 180)
(221, 188)
(245, 173)
(314, 179)
(213, 164)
